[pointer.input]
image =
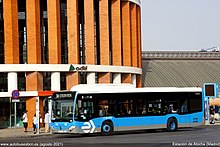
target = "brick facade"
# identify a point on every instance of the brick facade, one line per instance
(54, 38)
(34, 81)
(126, 78)
(72, 79)
(116, 32)
(104, 78)
(10, 8)
(104, 33)
(134, 35)
(126, 34)
(89, 32)
(73, 31)
(33, 32)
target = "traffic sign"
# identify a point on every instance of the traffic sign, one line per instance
(15, 94)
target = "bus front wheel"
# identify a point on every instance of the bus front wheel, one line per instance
(172, 125)
(107, 128)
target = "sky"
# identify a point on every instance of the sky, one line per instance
(180, 25)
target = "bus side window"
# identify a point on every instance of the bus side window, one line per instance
(104, 110)
(131, 112)
(150, 108)
(184, 108)
(100, 111)
(122, 109)
(165, 111)
(144, 111)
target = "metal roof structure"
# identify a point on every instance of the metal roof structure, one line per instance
(180, 69)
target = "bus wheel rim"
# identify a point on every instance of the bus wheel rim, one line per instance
(106, 128)
(172, 125)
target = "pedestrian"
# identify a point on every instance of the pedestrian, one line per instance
(34, 123)
(212, 116)
(25, 120)
(46, 122)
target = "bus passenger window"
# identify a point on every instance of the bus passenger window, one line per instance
(150, 108)
(130, 112)
(172, 109)
(144, 110)
(100, 111)
(81, 110)
(103, 110)
(166, 110)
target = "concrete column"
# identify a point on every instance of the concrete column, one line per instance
(117, 78)
(90, 78)
(55, 81)
(12, 81)
(134, 80)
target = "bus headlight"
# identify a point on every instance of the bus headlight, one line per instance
(72, 128)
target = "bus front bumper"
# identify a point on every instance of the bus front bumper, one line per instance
(72, 129)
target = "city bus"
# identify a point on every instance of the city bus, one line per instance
(108, 108)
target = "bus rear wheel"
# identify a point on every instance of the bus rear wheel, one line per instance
(107, 128)
(172, 125)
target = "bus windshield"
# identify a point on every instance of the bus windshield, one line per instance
(62, 110)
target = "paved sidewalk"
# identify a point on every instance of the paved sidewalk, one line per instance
(19, 132)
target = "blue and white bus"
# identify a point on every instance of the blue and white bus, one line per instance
(103, 108)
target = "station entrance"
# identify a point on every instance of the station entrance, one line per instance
(7, 109)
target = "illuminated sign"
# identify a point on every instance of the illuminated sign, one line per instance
(64, 95)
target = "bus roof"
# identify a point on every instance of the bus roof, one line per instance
(127, 88)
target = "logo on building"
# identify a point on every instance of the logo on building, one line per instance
(79, 68)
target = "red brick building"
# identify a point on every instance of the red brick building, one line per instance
(52, 45)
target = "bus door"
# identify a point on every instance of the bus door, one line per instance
(184, 120)
(195, 109)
